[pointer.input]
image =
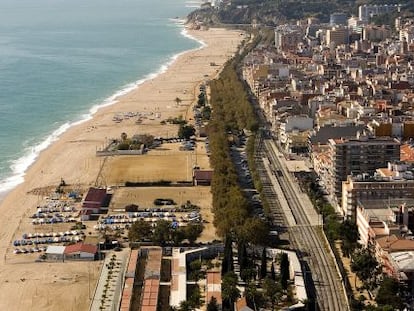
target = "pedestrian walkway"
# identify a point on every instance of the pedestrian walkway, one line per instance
(107, 294)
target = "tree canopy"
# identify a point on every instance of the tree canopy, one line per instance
(139, 231)
(186, 131)
(389, 294)
(365, 266)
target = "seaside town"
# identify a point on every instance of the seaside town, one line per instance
(278, 176)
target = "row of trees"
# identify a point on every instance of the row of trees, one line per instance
(164, 232)
(231, 113)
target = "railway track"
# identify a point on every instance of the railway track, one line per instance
(306, 236)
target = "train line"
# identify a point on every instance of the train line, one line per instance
(306, 235)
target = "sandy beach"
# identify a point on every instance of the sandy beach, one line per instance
(67, 286)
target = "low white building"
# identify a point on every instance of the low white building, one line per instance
(56, 253)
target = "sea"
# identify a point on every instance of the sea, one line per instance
(60, 60)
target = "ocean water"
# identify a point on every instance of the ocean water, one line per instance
(62, 59)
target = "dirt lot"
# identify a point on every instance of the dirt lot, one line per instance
(164, 163)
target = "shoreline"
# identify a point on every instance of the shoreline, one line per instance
(73, 158)
(23, 163)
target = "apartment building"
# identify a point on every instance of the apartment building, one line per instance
(365, 12)
(357, 156)
(394, 181)
(287, 37)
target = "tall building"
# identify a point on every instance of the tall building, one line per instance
(376, 33)
(337, 36)
(357, 156)
(287, 37)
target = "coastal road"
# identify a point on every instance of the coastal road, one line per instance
(306, 234)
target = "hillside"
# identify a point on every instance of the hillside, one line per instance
(273, 12)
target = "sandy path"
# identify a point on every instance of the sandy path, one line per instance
(64, 286)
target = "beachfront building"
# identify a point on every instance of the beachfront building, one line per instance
(202, 177)
(80, 251)
(55, 253)
(95, 200)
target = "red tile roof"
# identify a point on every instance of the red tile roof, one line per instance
(150, 295)
(407, 153)
(96, 195)
(395, 244)
(203, 175)
(81, 247)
